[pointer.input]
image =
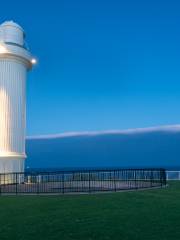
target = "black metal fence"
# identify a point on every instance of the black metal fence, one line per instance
(87, 181)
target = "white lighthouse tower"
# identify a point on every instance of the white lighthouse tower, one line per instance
(15, 60)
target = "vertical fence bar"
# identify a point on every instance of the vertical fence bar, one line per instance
(63, 182)
(135, 179)
(151, 178)
(164, 177)
(115, 180)
(16, 183)
(89, 177)
(161, 178)
(37, 182)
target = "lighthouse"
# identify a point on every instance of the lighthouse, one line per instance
(15, 62)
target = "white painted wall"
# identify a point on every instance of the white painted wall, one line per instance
(14, 63)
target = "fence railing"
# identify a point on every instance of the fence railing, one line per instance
(81, 181)
(173, 175)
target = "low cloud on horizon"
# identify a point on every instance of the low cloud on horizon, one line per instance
(167, 128)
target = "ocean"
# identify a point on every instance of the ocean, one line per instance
(140, 150)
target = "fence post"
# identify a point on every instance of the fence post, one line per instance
(115, 180)
(164, 177)
(161, 177)
(135, 179)
(37, 180)
(63, 182)
(16, 183)
(89, 181)
(151, 177)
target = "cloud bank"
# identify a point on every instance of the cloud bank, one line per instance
(167, 128)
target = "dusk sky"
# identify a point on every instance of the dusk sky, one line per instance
(102, 65)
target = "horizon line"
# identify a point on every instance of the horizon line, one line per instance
(163, 128)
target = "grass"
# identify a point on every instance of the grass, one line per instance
(146, 215)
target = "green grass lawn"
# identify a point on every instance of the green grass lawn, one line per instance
(150, 214)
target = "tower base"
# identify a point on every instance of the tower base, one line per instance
(9, 166)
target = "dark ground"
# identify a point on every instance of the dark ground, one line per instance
(147, 215)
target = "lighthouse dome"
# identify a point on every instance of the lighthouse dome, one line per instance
(11, 32)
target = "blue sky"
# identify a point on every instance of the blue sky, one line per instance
(102, 65)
